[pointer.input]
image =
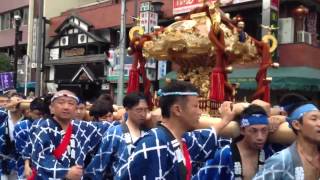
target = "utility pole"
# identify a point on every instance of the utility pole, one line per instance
(122, 52)
(17, 38)
(39, 48)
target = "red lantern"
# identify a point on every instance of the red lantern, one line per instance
(301, 11)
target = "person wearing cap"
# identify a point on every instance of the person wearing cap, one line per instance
(301, 160)
(246, 154)
(62, 143)
(169, 150)
(118, 141)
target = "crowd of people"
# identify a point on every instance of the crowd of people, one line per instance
(59, 136)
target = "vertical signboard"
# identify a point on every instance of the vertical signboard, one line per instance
(6, 80)
(148, 18)
(270, 17)
(162, 69)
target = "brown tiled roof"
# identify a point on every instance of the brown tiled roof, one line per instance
(102, 15)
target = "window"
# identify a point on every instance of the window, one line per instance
(6, 21)
(0, 22)
(25, 16)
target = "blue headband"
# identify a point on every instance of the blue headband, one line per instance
(300, 111)
(160, 93)
(254, 119)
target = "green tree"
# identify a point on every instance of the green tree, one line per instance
(5, 65)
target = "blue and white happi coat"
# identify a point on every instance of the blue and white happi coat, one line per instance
(227, 166)
(116, 147)
(48, 134)
(23, 143)
(7, 162)
(157, 155)
(11, 159)
(285, 164)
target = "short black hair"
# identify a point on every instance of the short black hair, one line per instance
(166, 102)
(47, 102)
(133, 99)
(38, 104)
(288, 101)
(253, 109)
(106, 97)
(102, 106)
(291, 102)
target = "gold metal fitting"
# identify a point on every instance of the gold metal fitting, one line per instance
(178, 18)
(129, 50)
(275, 65)
(229, 69)
(269, 79)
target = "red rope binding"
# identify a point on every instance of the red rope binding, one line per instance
(188, 160)
(58, 152)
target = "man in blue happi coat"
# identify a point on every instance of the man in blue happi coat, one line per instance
(301, 160)
(117, 142)
(61, 144)
(167, 151)
(246, 154)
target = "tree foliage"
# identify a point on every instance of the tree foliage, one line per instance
(5, 65)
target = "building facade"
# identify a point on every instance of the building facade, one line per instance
(104, 22)
(104, 19)
(9, 9)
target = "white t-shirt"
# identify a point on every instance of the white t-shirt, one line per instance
(11, 126)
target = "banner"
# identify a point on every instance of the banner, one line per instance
(6, 81)
(184, 6)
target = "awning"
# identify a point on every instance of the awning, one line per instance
(114, 79)
(30, 84)
(284, 78)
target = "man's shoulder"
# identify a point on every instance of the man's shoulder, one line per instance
(114, 132)
(45, 122)
(281, 156)
(118, 128)
(155, 136)
(3, 116)
(223, 154)
(23, 124)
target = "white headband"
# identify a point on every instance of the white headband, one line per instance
(64, 95)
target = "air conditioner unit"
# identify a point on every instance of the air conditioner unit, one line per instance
(304, 37)
(286, 31)
(33, 65)
(82, 38)
(64, 41)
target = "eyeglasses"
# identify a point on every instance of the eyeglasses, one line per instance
(140, 110)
